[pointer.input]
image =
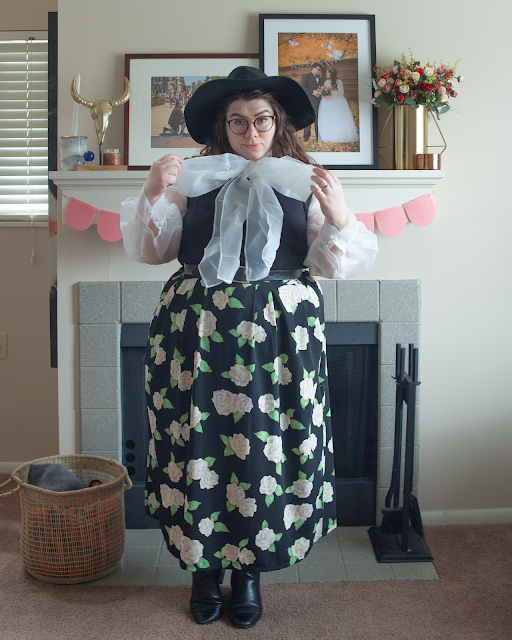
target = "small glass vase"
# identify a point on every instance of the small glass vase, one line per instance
(72, 149)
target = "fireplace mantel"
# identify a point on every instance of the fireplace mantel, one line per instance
(366, 191)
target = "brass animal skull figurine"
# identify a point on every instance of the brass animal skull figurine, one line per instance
(100, 109)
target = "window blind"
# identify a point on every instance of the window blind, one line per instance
(23, 129)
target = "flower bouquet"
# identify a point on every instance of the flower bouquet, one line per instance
(414, 84)
(325, 91)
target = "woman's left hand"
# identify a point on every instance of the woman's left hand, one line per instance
(329, 193)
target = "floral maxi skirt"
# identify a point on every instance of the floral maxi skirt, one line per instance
(240, 465)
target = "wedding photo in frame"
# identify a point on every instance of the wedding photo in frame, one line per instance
(161, 85)
(332, 57)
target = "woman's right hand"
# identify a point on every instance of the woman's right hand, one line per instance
(162, 174)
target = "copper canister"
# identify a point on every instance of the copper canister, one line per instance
(111, 157)
(427, 161)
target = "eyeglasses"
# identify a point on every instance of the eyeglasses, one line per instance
(261, 124)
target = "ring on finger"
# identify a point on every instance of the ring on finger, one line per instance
(325, 187)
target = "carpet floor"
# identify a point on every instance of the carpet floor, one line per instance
(472, 600)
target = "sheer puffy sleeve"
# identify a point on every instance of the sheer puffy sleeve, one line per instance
(141, 243)
(338, 254)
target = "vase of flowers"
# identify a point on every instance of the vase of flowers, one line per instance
(413, 91)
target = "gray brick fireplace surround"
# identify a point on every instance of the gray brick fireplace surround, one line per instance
(104, 306)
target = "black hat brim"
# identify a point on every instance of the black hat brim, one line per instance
(202, 108)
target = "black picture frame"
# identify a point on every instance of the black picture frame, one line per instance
(310, 33)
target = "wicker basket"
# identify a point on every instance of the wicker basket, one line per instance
(73, 536)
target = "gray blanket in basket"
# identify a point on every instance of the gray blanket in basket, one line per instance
(53, 476)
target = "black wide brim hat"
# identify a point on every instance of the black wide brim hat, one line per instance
(202, 108)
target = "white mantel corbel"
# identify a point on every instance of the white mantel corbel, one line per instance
(365, 191)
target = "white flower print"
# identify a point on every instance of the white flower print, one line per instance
(243, 404)
(186, 285)
(175, 369)
(240, 445)
(251, 331)
(330, 446)
(267, 403)
(160, 355)
(174, 472)
(317, 332)
(177, 499)
(328, 492)
(324, 436)
(322, 462)
(230, 552)
(268, 485)
(305, 511)
(295, 293)
(168, 296)
(239, 375)
(166, 493)
(186, 505)
(195, 416)
(158, 307)
(175, 429)
(265, 538)
(246, 556)
(318, 415)
(158, 401)
(176, 535)
(151, 500)
(333, 526)
(269, 313)
(152, 418)
(300, 548)
(273, 450)
(205, 526)
(197, 468)
(185, 432)
(151, 449)
(191, 550)
(206, 324)
(286, 297)
(313, 296)
(301, 338)
(156, 342)
(235, 494)
(185, 380)
(146, 374)
(209, 480)
(305, 447)
(283, 374)
(197, 360)
(291, 515)
(313, 441)
(307, 388)
(248, 507)
(220, 299)
(302, 488)
(318, 530)
(224, 402)
(180, 319)
(284, 421)
(303, 291)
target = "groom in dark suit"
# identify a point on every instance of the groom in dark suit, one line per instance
(310, 82)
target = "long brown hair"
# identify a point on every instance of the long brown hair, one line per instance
(285, 141)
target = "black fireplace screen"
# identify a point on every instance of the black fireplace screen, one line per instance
(353, 383)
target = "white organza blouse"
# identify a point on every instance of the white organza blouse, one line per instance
(331, 254)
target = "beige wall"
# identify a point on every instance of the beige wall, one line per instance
(463, 259)
(28, 386)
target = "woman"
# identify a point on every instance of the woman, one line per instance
(176, 120)
(240, 465)
(335, 120)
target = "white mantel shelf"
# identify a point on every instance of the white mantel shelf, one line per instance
(366, 191)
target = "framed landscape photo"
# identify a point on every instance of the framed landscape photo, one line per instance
(161, 85)
(332, 57)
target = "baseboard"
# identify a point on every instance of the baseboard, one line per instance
(467, 516)
(9, 467)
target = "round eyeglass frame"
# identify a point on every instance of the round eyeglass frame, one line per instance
(253, 122)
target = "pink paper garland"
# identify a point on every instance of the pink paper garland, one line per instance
(391, 222)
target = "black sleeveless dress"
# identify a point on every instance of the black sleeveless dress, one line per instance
(240, 464)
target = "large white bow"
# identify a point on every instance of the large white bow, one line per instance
(246, 197)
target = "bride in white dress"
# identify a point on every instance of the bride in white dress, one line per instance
(335, 120)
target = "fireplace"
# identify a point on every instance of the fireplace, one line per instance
(388, 311)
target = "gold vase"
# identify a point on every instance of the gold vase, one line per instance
(410, 134)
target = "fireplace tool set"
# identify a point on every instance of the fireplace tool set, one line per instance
(400, 537)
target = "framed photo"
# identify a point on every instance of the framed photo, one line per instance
(332, 57)
(161, 85)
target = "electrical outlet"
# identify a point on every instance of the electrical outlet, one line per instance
(3, 345)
